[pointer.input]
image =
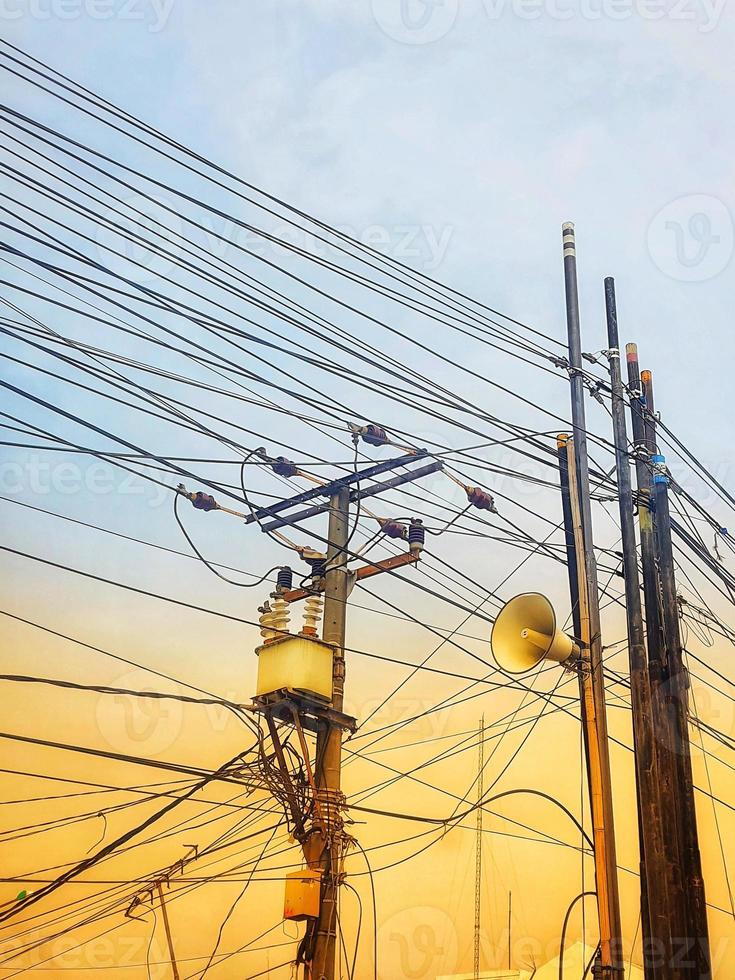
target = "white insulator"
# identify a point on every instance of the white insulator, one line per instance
(266, 622)
(312, 614)
(281, 614)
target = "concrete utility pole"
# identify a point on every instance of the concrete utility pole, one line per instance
(696, 952)
(653, 870)
(325, 847)
(607, 888)
(301, 680)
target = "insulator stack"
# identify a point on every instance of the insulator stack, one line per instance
(285, 579)
(392, 529)
(374, 435)
(312, 614)
(284, 467)
(480, 498)
(281, 614)
(203, 501)
(318, 565)
(266, 623)
(416, 536)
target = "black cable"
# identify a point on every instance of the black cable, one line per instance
(200, 556)
(579, 898)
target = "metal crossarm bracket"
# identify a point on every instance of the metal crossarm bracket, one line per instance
(369, 491)
(328, 489)
(364, 571)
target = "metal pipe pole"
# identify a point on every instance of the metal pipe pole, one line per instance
(653, 876)
(169, 939)
(597, 679)
(697, 952)
(325, 847)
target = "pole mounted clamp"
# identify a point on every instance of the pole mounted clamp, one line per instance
(560, 362)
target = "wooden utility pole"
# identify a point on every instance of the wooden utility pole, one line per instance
(653, 870)
(696, 953)
(644, 450)
(612, 957)
(167, 927)
(325, 847)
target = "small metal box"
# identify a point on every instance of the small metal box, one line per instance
(296, 663)
(302, 895)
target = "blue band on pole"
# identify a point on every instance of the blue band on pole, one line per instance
(660, 473)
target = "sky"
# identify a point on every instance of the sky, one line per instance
(456, 137)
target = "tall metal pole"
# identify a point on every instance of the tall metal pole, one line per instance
(325, 847)
(697, 952)
(597, 679)
(169, 938)
(653, 875)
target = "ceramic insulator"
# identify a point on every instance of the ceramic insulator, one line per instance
(281, 614)
(312, 614)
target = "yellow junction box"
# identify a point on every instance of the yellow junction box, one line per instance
(302, 895)
(296, 663)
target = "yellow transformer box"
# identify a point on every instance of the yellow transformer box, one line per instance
(302, 895)
(296, 663)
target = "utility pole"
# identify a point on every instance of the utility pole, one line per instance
(301, 680)
(478, 845)
(697, 952)
(167, 927)
(608, 895)
(598, 772)
(653, 871)
(645, 450)
(325, 847)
